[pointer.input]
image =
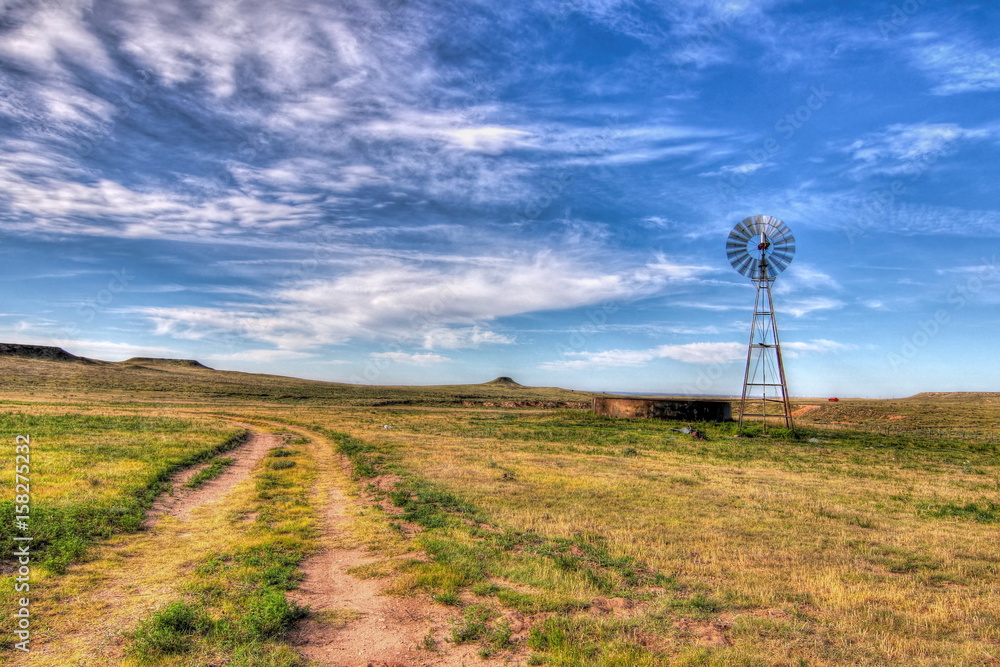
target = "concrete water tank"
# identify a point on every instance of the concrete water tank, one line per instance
(663, 408)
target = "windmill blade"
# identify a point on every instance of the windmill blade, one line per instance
(782, 255)
(742, 228)
(736, 250)
(745, 264)
(740, 233)
(769, 227)
(779, 233)
(784, 233)
(736, 257)
(785, 246)
(740, 262)
(779, 263)
(787, 249)
(733, 245)
(741, 248)
(784, 239)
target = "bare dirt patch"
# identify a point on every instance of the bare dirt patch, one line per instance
(352, 623)
(183, 500)
(805, 409)
(710, 634)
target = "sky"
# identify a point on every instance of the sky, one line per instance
(430, 192)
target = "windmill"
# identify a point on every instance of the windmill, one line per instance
(760, 247)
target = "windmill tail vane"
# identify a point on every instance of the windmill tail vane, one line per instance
(761, 247)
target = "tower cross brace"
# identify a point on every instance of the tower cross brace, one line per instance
(765, 372)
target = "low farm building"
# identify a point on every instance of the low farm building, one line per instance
(663, 408)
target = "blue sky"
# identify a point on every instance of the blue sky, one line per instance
(424, 192)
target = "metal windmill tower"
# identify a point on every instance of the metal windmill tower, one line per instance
(760, 247)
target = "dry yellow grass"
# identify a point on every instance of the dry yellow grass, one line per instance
(86, 614)
(860, 549)
(815, 552)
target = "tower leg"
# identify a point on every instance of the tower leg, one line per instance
(765, 369)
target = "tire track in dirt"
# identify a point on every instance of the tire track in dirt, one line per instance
(380, 630)
(128, 576)
(182, 500)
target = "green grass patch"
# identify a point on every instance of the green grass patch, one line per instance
(466, 552)
(280, 452)
(209, 472)
(171, 630)
(243, 590)
(582, 641)
(94, 476)
(982, 512)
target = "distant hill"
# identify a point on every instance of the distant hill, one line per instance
(52, 353)
(503, 381)
(32, 370)
(961, 395)
(155, 361)
(44, 352)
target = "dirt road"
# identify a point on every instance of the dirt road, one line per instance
(352, 623)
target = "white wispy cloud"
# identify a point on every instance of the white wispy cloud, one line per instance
(815, 346)
(263, 356)
(467, 337)
(743, 168)
(910, 148)
(987, 265)
(958, 64)
(418, 359)
(806, 305)
(452, 128)
(352, 90)
(803, 277)
(214, 44)
(48, 36)
(52, 202)
(690, 353)
(446, 306)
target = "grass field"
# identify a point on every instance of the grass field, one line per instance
(859, 549)
(560, 537)
(96, 474)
